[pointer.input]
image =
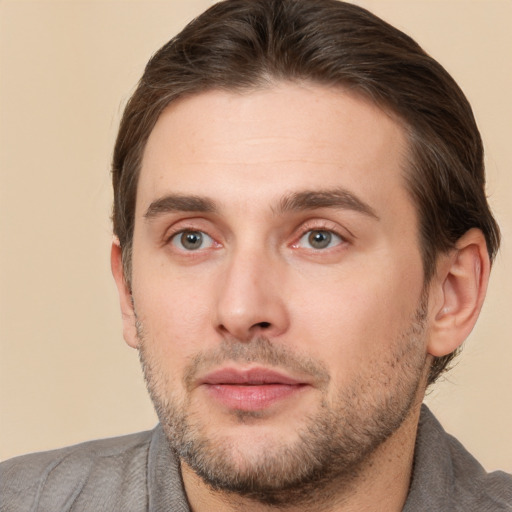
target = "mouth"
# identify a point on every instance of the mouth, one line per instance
(252, 389)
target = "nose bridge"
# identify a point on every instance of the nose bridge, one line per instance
(250, 300)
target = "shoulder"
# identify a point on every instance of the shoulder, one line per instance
(96, 470)
(474, 486)
(447, 477)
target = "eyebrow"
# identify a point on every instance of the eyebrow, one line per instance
(338, 198)
(297, 201)
(179, 203)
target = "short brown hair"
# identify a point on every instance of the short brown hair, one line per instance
(244, 44)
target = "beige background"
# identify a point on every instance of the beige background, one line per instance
(66, 70)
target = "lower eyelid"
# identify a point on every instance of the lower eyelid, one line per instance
(339, 239)
(174, 238)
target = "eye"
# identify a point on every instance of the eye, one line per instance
(192, 240)
(319, 239)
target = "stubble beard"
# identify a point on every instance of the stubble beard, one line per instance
(332, 446)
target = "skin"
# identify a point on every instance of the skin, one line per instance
(353, 322)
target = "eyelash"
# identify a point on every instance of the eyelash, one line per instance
(175, 234)
(321, 227)
(306, 228)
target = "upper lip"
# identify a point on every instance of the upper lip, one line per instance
(250, 377)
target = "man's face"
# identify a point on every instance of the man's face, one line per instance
(278, 284)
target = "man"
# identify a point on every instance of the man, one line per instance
(302, 244)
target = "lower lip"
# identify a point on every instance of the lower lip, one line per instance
(252, 398)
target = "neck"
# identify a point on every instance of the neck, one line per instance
(382, 483)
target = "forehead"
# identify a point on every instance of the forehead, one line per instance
(257, 145)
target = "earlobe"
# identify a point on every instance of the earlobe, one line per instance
(461, 281)
(125, 296)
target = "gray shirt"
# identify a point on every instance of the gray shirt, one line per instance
(140, 472)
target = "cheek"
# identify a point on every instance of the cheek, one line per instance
(356, 316)
(175, 314)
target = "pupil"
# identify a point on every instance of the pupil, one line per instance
(191, 240)
(320, 239)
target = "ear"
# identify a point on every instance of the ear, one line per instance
(125, 295)
(460, 286)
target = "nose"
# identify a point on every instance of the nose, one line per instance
(251, 298)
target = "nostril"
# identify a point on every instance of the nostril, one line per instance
(263, 325)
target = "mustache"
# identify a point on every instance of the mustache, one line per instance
(258, 350)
